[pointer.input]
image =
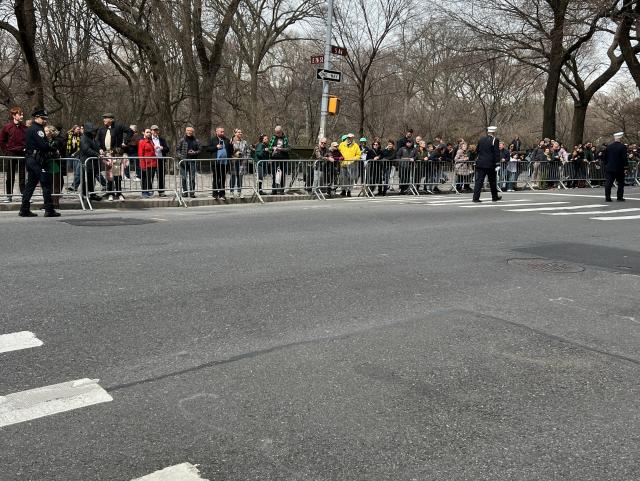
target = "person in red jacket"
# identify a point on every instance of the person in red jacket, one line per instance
(148, 163)
(12, 143)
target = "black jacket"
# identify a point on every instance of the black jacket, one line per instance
(615, 157)
(89, 147)
(488, 152)
(120, 134)
(213, 146)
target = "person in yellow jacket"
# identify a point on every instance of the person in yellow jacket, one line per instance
(350, 150)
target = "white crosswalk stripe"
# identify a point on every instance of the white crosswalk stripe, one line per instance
(594, 212)
(18, 340)
(499, 205)
(621, 217)
(570, 207)
(179, 472)
(44, 401)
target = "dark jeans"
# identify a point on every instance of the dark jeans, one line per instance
(481, 173)
(219, 179)
(161, 163)
(188, 170)
(115, 186)
(13, 165)
(148, 175)
(609, 178)
(35, 175)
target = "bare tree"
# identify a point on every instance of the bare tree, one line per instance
(366, 28)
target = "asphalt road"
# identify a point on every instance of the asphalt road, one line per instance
(388, 339)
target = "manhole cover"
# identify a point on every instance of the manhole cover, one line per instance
(107, 222)
(546, 265)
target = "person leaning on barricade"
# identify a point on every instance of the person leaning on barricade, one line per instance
(89, 157)
(279, 152)
(12, 144)
(375, 168)
(335, 159)
(221, 148)
(422, 166)
(74, 135)
(113, 138)
(188, 148)
(406, 157)
(241, 152)
(348, 169)
(261, 157)
(54, 163)
(462, 169)
(132, 169)
(320, 164)
(162, 149)
(38, 160)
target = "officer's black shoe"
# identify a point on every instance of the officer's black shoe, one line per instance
(52, 213)
(27, 213)
(608, 200)
(497, 199)
(476, 200)
(622, 200)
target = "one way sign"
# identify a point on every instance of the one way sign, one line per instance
(330, 75)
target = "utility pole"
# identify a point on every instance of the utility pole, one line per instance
(327, 66)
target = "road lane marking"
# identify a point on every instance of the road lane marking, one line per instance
(44, 401)
(594, 212)
(498, 204)
(572, 207)
(18, 340)
(179, 472)
(622, 217)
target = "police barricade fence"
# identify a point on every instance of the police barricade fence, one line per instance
(65, 172)
(120, 175)
(321, 178)
(219, 178)
(547, 174)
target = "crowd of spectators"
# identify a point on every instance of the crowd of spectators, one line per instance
(114, 153)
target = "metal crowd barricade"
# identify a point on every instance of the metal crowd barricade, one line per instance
(547, 174)
(321, 178)
(218, 178)
(595, 173)
(575, 173)
(12, 167)
(434, 174)
(108, 172)
(64, 179)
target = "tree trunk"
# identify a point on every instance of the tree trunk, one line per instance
(551, 96)
(26, 19)
(577, 123)
(253, 109)
(361, 106)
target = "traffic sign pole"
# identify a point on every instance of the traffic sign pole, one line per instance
(327, 66)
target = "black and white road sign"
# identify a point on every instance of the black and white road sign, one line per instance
(330, 75)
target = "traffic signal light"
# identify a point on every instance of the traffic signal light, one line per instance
(334, 105)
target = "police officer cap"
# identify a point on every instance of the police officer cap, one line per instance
(90, 128)
(108, 115)
(618, 135)
(42, 113)
(492, 129)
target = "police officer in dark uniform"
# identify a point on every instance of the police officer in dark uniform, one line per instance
(38, 153)
(615, 160)
(488, 156)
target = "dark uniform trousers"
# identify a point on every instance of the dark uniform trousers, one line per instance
(609, 177)
(35, 174)
(481, 173)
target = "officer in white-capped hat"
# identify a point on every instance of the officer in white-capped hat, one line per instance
(486, 162)
(615, 161)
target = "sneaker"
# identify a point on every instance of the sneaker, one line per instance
(27, 213)
(71, 189)
(7, 200)
(162, 194)
(121, 197)
(192, 195)
(110, 198)
(52, 213)
(241, 195)
(510, 190)
(135, 179)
